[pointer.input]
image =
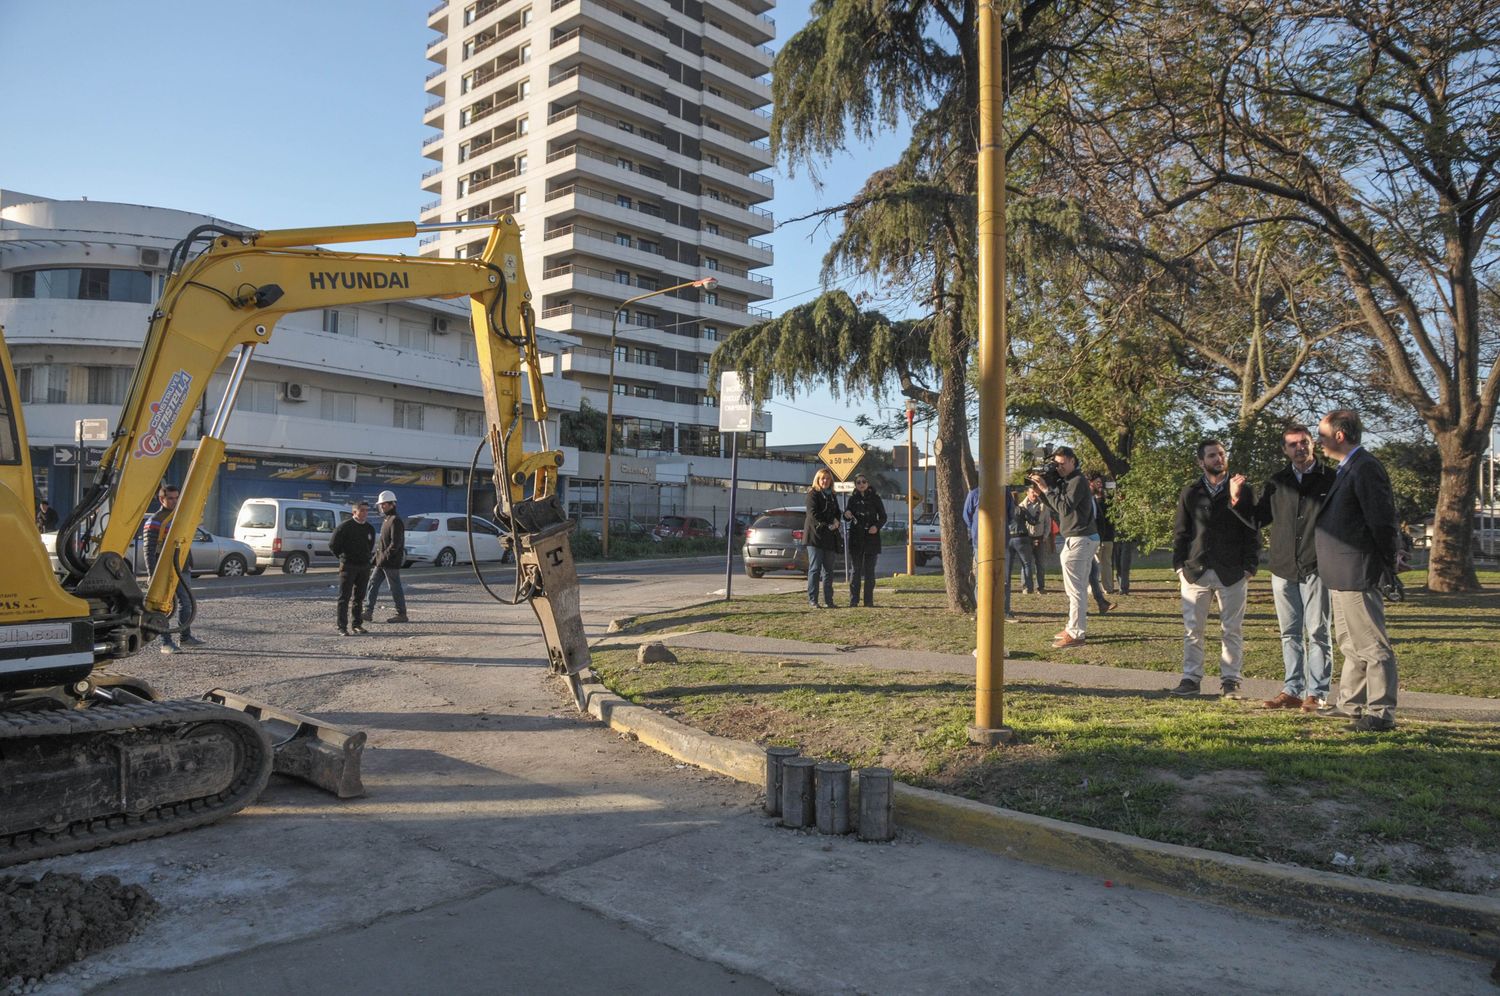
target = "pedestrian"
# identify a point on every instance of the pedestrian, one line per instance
(1214, 554)
(1019, 520)
(1124, 554)
(1105, 555)
(1289, 502)
(390, 554)
(46, 517)
(1101, 562)
(152, 533)
(353, 542)
(865, 514)
(1359, 551)
(1039, 535)
(1066, 493)
(971, 521)
(821, 533)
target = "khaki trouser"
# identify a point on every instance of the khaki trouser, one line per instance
(1195, 598)
(1106, 559)
(1367, 683)
(1077, 557)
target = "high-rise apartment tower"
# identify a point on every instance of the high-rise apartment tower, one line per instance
(629, 139)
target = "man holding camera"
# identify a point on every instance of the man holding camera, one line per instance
(1214, 554)
(1066, 493)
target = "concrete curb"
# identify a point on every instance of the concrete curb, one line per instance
(1414, 915)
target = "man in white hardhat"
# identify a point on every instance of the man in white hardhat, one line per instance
(390, 554)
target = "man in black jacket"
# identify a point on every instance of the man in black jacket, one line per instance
(353, 542)
(1068, 496)
(1289, 503)
(153, 531)
(1214, 554)
(390, 554)
(1359, 548)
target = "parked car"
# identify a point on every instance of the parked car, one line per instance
(209, 554)
(774, 542)
(292, 532)
(442, 540)
(927, 539)
(622, 529)
(681, 527)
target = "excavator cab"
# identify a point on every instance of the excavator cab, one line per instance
(46, 635)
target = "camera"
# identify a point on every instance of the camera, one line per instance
(1048, 473)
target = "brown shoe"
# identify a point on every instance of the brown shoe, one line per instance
(1065, 641)
(1283, 701)
(1312, 703)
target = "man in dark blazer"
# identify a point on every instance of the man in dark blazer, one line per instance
(1358, 544)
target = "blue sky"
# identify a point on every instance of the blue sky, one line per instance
(283, 114)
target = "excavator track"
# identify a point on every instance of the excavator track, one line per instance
(79, 779)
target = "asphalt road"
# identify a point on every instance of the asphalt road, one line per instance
(509, 845)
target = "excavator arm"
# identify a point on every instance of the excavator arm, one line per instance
(231, 294)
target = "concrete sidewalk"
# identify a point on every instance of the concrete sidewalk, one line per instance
(1079, 677)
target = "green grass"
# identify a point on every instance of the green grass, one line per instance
(1209, 773)
(1444, 643)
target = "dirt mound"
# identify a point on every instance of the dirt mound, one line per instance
(50, 922)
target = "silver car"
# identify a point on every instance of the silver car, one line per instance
(774, 542)
(210, 554)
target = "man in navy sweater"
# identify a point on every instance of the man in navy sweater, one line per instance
(1359, 549)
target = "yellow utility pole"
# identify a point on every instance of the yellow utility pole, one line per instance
(989, 658)
(911, 522)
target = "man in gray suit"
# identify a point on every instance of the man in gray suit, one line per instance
(1358, 544)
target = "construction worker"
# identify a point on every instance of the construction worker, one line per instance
(390, 554)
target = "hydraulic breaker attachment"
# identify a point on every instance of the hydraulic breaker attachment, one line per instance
(321, 753)
(551, 584)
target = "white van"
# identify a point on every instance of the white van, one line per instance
(291, 532)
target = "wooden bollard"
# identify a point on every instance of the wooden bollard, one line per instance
(797, 792)
(831, 795)
(877, 804)
(774, 757)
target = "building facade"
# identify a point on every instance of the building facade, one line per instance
(629, 139)
(340, 404)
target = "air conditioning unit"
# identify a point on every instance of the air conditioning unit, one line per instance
(295, 392)
(346, 473)
(151, 257)
(456, 478)
(440, 326)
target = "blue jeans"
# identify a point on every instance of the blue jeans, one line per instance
(377, 579)
(819, 561)
(1019, 550)
(1302, 609)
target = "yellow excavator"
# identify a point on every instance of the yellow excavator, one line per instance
(89, 757)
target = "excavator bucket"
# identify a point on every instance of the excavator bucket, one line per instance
(321, 753)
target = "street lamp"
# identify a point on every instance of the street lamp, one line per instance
(707, 283)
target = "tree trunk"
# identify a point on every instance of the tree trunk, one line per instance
(1450, 566)
(951, 447)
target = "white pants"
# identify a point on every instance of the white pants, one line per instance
(1077, 557)
(1195, 599)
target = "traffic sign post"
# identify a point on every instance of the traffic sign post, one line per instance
(841, 454)
(736, 415)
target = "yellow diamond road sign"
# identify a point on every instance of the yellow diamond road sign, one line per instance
(841, 454)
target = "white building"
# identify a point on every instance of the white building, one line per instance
(340, 404)
(628, 137)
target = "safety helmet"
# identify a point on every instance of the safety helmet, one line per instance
(386, 496)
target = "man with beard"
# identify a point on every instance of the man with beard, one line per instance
(1214, 554)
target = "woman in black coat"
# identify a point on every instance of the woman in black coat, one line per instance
(820, 531)
(865, 513)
